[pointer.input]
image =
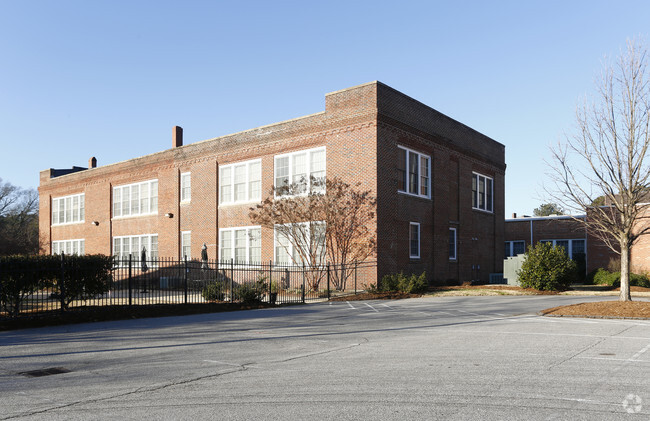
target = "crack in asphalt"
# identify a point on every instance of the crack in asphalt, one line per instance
(154, 388)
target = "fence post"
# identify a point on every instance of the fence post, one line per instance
(232, 283)
(270, 279)
(130, 283)
(303, 283)
(185, 279)
(62, 283)
(356, 263)
(328, 281)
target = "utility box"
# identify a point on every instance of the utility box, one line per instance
(511, 266)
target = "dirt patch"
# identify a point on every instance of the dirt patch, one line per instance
(603, 309)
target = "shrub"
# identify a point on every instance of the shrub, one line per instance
(85, 277)
(613, 279)
(213, 291)
(250, 293)
(412, 284)
(547, 268)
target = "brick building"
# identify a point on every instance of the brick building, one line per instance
(439, 186)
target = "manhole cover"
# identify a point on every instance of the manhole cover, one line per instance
(45, 372)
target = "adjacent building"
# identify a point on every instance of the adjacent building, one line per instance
(439, 186)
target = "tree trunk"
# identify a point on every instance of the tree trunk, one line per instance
(625, 272)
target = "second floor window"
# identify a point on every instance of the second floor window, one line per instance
(135, 199)
(186, 187)
(68, 209)
(305, 170)
(241, 182)
(413, 172)
(482, 192)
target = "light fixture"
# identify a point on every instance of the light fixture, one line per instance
(169, 215)
(95, 223)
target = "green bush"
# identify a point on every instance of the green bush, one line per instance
(613, 279)
(213, 291)
(547, 268)
(412, 284)
(85, 277)
(250, 293)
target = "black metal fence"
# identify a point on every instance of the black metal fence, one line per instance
(172, 281)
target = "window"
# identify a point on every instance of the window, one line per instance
(288, 253)
(414, 240)
(304, 169)
(133, 245)
(68, 209)
(241, 182)
(574, 248)
(413, 172)
(69, 247)
(186, 245)
(242, 244)
(452, 243)
(135, 199)
(482, 188)
(515, 248)
(186, 187)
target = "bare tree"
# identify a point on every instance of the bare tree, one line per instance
(331, 225)
(607, 157)
(18, 220)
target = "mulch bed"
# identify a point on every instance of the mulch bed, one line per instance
(100, 314)
(603, 309)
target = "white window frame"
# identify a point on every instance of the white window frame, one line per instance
(186, 190)
(75, 246)
(151, 198)
(511, 247)
(308, 170)
(418, 188)
(488, 205)
(290, 250)
(230, 168)
(454, 257)
(122, 259)
(570, 240)
(411, 225)
(76, 214)
(231, 232)
(184, 245)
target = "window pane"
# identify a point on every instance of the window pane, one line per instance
(55, 212)
(255, 245)
(481, 192)
(413, 172)
(415, 240)
(240, 183)
(281, 174)
(488, 199)
(117, 202)
(144, 199)
(75, 209)
(68, 209)
(424, 178)
(240, 245)
(282, 249)
(474, 191)
(185, 187)
(300, 172)
(317, 171)
(186, 241)
(518, 247)
(126, 194)
(564, 244)
(452, 244)
(226, 245)
(153, 207)
(225, 181)
(578, 246)
(255, 184)
(82, 207)
(135, 199)
(401, 169)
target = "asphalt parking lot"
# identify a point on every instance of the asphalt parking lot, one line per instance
(446, 358)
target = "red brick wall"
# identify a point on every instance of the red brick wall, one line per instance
(360, 129)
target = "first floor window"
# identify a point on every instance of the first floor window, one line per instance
(135, 246)
(186, 245)
(242, 244)
(414, 240)
(575, 249)
(69, 247)
(453, 241)
(482, 192)
(300, 244)
(515, 248)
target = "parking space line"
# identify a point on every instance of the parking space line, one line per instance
(372, 307)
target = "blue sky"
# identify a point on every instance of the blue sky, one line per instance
(110, 78)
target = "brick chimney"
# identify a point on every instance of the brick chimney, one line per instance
(177, 136)
(92, 162)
